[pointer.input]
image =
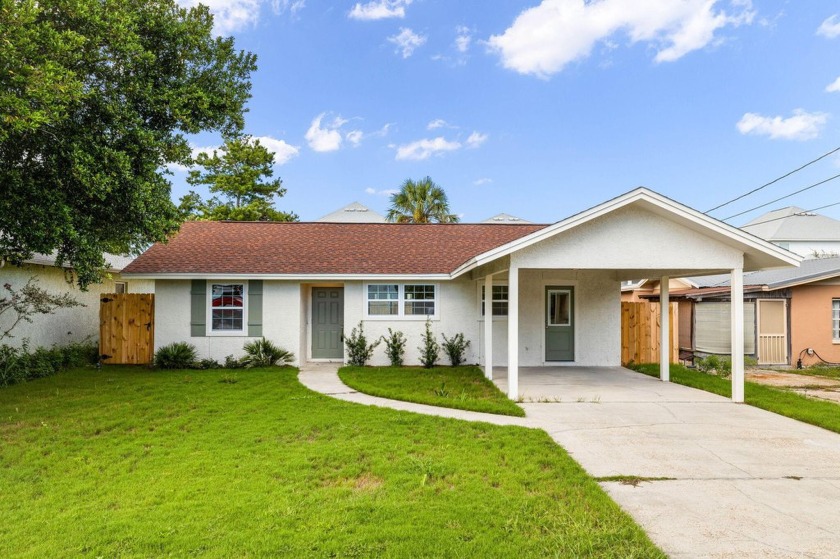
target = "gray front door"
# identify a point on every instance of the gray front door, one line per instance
(327, 322)
(559, 324)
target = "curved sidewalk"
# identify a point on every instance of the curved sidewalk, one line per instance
(742, 482)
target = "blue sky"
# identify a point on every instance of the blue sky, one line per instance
(542, 108)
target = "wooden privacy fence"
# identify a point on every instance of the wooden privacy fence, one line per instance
(126, 328)
(640, 332)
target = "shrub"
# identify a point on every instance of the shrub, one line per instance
(721, 365)
(178, 355)
(455, 348)
(263, 353)
(207, 364)
(430, 350)
(21, 364)
(358, 350)
(395, 347)
(232, 362)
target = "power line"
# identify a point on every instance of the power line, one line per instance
(806, 212)
(783, 197)
(753, 191)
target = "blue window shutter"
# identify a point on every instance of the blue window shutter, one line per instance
(198, 308)
(255, 308)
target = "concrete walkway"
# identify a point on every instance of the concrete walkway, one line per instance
(746, 483)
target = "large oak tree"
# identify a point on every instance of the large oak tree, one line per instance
(96, 97)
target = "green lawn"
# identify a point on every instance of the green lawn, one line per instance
(129, 462)
(463, 388)
(783, 402)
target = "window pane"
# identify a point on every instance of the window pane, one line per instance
(500, 300)
(227, 319)
(419, 292)
(228, 295)
(558, 308)
(423, 308)
(383, 292)
(383, 308)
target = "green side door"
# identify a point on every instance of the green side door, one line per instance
(559, 324)
(327, 322)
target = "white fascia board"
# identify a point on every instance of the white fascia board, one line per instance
(804, 281)
(292, 277)
(637, 195)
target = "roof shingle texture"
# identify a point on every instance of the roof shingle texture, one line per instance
(208, 247)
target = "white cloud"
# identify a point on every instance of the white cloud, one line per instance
(801, 126)
(463, 39)
(292, 6)
(830, 28)
(229, 15)
(476, 139)
(379, 9)
(482, 181)
(544, 39)
(326, 138)
(438, 123)
(283, 152)
(386, 192)
(833, 87)
(355, 137)
(407, 41)
(425, 148)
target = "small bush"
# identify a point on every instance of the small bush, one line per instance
(395, 347)
(263, 353)
(178, 355)
(430, 350)
(207, 364)
(232, 362)
(358, 350)
(455, 348)
(21, 364)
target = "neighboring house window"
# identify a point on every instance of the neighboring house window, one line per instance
(396, 300)
(227, 307)
(835, 318)
(500, 300)
(120, 287)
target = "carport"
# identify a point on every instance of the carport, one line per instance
(563, 281)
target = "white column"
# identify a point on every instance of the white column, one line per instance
(737, 283)
(513, 333)
(488, 326)
(664, 329)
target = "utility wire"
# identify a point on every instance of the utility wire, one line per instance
(753, 191)
(806, 212)
(783, 197)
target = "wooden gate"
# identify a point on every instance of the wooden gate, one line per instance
(127, 328)
(640, 332)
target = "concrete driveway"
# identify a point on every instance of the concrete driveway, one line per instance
(745, 482)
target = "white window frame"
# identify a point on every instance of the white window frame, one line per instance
(124, 285)
(209, 305)
(481, 302)
(401, 300)
(835, 320)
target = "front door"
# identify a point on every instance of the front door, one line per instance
(327, 322)
(772, 332)
(559, 324)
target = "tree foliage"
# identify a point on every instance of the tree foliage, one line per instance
(20, 305)
(238, 174)
(420, 202)
(95, 99)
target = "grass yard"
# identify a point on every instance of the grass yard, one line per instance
(783, 402)
(817, 371)
(128, 462)
(463, 388)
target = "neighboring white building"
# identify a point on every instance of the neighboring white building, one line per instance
(505, 218)
(353, 213)
(805, 233)
(75, 324)
(555, 291)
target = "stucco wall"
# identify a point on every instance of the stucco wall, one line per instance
(281, 319)
(66, 325)
(810, 320)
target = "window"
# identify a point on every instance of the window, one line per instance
(835, 319)
(120, 287)
(395, 300)
(500, 300)
(227, 307)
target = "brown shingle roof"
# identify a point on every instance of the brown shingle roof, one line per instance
(208, 247)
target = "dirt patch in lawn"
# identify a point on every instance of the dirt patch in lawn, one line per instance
(807, 385)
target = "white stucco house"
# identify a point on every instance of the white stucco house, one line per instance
(77, 324)
(806, 233)
(555, 289)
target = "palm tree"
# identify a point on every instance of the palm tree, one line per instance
(420, 202)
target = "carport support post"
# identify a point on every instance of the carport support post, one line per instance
(664, 330)
(488, 326)
(737, 306)
(513, 333)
